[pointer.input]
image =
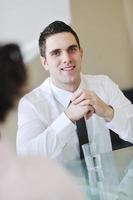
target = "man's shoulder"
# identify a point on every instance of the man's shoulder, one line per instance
(96, 82)
(95, 78)
(39, 93)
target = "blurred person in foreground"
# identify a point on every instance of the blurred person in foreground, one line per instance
(36, 178)
(13, 78)
(27, 178)
(47, 116)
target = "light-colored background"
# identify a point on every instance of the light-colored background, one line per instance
(105, 28)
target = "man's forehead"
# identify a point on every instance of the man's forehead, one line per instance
(60, 41)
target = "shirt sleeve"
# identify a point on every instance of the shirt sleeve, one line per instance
(36, 137)
(122, 122)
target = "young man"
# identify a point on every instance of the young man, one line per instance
(47, 115)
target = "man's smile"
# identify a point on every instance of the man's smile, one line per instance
(69, 68)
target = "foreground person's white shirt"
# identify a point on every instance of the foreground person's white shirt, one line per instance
(44, 129)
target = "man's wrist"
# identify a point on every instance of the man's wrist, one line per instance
(109, 114)
(68, 115)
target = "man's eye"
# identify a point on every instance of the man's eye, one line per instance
(73, 49)
(56, 53)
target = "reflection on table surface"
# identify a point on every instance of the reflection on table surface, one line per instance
(112, 180)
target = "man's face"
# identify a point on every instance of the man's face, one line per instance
(63, 60)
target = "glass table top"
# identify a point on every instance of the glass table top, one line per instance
(108, 176)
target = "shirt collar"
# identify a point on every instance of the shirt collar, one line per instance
(61, 95)
(64, 96)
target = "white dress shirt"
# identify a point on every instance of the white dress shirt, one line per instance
(44, 129)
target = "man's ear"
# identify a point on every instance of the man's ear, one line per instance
(44, 63)
(81, 52)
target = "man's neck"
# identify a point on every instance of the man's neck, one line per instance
(68, 87)
(71, 87)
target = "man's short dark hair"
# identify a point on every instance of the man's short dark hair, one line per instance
(51, 29)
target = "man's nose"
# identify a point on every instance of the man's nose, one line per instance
(66, 57)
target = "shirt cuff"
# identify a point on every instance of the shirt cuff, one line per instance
(117, 124)
(63, 126)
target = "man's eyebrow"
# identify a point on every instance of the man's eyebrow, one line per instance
(73, 46)
(54, 50)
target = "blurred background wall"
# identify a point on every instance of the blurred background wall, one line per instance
(105, 28)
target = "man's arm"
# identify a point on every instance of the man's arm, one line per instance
(36, 136)
(117, 110)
